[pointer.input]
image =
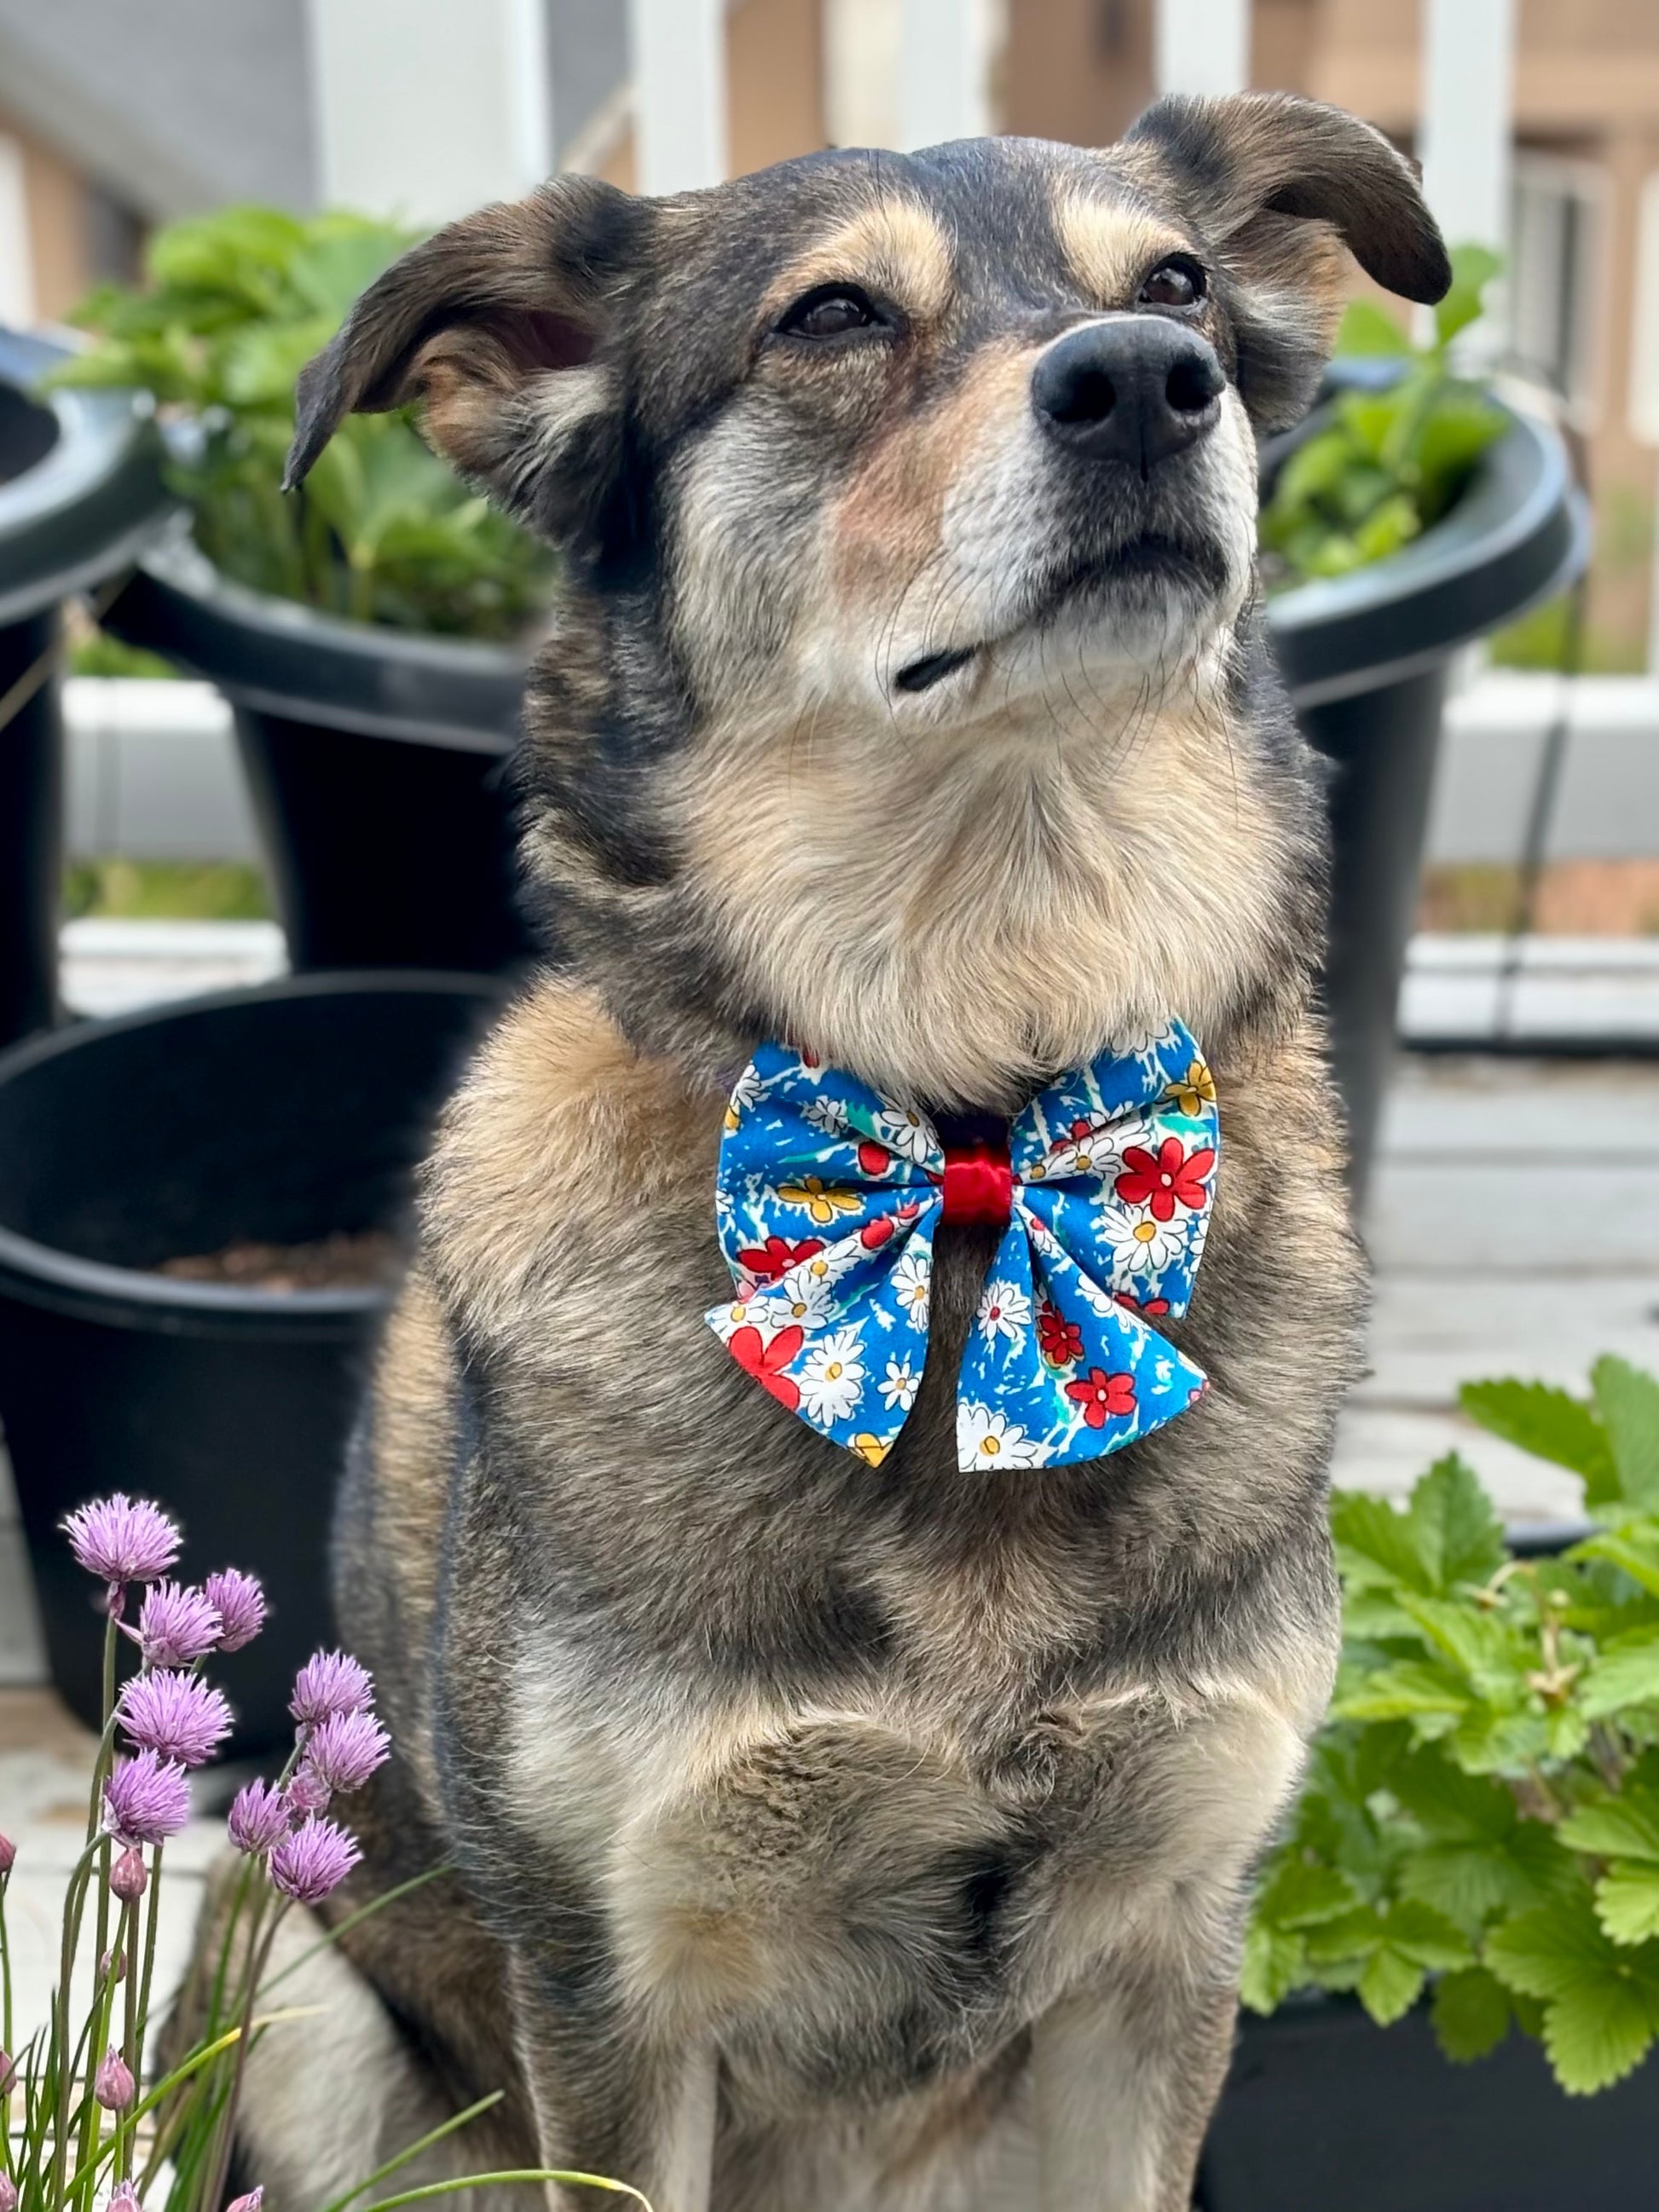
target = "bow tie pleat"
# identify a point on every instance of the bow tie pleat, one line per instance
(829, 1197)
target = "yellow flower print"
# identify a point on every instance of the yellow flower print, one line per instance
(870, 1449)
(1194, 1092)
(820, 1200)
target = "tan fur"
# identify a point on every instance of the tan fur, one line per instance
(1024, 882)
(887, 523)
(1109, 245)
(893, 245)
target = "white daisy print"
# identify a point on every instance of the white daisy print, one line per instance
(1004, 1310)
(1138, 1244)
(799, 1301)
(899, 1385)
(913, 1280)
(987, 1439)
(831, 1377)
(827, 1115)
(744, 1091)
(904, 1131)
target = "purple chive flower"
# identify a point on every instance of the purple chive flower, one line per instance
(112, 1966)
(112, 2085)
(308, 1792)
(313, 1861)
(330, 1683)
(258, 1818)
(241, 1602)
(344, 1751)
(123, 2197)
(8, 1855)
(7, 2186)
(122, 1539)
(128, 1878)
(250, 2203)
(146, 1799)
(174, 1713)
(177, 1626)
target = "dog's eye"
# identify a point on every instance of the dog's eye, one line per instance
(829, 312)
(1177, 283)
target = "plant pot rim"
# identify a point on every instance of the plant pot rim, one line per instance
(91, 502)
(42, 1275)
(281, 656)
(1518, 535)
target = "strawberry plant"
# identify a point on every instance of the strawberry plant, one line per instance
(1481, 1816)
(233, 305)
(1386, 462)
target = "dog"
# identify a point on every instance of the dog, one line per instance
(825, 1828)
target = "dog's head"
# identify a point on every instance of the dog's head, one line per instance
(885, 447)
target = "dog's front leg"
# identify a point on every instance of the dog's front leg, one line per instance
(1124, 2073)
(611, 2102)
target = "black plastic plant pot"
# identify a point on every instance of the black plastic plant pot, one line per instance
(1324, 2110)
(80, 489)
(282, 1114)
(375, 760)
(1365, 657)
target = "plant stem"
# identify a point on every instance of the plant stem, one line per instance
(258, 1954)
(61, 2050)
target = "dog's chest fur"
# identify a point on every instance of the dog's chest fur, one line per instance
(858, 1764)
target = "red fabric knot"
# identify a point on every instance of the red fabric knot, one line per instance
(979, 1183)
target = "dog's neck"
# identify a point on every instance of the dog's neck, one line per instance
(956, 916)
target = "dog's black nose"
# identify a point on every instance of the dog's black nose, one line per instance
(1132, 388)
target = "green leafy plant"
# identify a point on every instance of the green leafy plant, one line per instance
(1388, 462)
(233, 305)
(1482, 1811)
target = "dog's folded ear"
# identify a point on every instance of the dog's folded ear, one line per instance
(1273, 183)
(499, 326)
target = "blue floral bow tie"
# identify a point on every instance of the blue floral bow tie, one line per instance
(826, 1201)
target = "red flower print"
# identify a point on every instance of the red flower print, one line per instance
(763, 1361)
(874, 1234)
(1174, 1178)
(767, 1261)
(875, 1159)
(1079, 1131)
(1148, 1309)
(1061, 1339)
(1102, 1394)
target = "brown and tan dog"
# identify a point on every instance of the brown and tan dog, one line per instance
(824, 1835)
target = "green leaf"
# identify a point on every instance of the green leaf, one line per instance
(1627, 1675)
(1301, 1893)
(1601, 1998)
(1369, 329)
(1593, 2038)
(1471, 2013)
(1623, 1827)
(1390, 1987)
(1546, 1952)
(1546, 1422)
(1413, 1689)
(1459, 1536)
(1275, 1963)
(1483, 1647)
(1474, 268)
(1628, 1403)
(1376, 1544)
(1426, 1937)
(1627, 1901)
(1633, 1549)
